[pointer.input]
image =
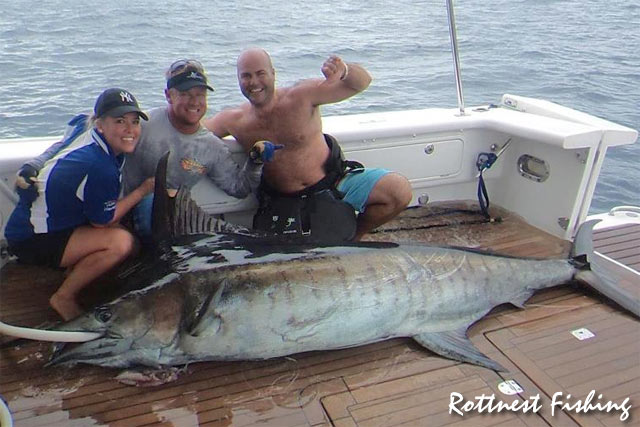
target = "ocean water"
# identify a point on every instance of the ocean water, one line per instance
(56, 56)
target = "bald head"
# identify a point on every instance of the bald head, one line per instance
(254, 56)
(256, 76)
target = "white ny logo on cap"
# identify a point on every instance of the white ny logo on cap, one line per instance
(125, 97)
(194, 75)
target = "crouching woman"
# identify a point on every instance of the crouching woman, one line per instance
(71, 218)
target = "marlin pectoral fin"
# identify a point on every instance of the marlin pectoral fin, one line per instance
(456, 345)
(205, 317)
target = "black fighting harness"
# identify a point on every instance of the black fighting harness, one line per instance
(316, 213)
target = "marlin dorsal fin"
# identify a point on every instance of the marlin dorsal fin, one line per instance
(161, 221)
(180, 215)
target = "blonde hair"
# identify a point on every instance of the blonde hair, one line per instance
(91, 121)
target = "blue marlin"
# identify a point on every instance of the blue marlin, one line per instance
(238, 296)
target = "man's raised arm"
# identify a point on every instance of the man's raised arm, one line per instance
(342, 81)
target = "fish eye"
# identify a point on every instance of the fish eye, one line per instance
(103, 314)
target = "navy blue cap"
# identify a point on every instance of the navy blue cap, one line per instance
(116, 102)
(187, 80)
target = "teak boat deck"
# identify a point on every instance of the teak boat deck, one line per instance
(390, 383)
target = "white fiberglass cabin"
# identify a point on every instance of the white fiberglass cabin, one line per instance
(547, 173)
(549, 158)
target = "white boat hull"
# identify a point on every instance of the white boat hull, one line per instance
(437, 149)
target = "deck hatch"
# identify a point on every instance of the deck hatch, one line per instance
(418, 160)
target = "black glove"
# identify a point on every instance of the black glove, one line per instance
(26, 176)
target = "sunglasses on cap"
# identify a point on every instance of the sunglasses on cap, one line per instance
(185, 74)
(183, 63)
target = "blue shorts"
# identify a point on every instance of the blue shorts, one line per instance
(358, 185)
(142, 213)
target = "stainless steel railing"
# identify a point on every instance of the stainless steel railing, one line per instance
(454, 50)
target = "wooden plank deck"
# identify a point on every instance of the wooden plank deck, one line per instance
(389, 383)
(621, 243)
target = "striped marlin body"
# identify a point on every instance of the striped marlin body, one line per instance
(234, 303)
(242, 297)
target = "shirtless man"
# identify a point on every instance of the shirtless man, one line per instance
(290, 116)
